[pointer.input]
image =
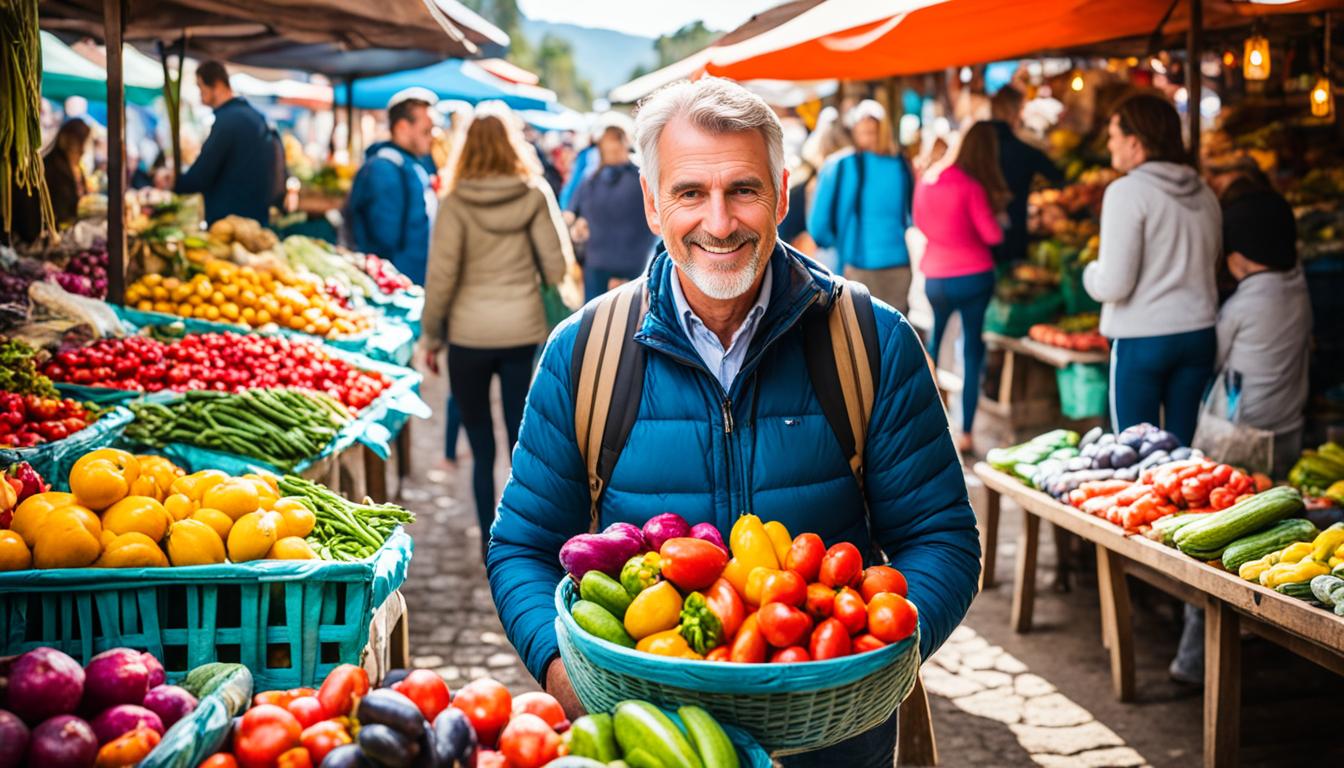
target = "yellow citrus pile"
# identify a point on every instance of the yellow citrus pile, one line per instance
(253, 297)
(126, 511)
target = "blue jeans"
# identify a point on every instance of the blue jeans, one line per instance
(968, 295)
(1161, 380)
(452, 427)
(872, 749)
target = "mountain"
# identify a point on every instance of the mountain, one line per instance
(604, 57)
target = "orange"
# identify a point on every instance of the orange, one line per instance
(14, 554)
(138, 514)
(235, 497)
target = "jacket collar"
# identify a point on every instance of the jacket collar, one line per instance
(797, 283)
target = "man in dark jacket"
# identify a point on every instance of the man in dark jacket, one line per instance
(233, 170)
(728, 423)
(1020, 163)
(392, 205)
(609, 214)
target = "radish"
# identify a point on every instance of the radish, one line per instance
(44, 682)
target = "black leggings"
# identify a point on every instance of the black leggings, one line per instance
(469, 373)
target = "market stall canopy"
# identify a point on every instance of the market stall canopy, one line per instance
(453, 79)
(506, 70)
(227, 28)
(334, 61)
(66, 73)
(564, 119)
(694, 65)
(869, 39)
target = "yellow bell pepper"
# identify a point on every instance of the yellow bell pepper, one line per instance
(667, 643)
(656, 609)
(780, 538)
(1294, 553)
(1293, 573)
(737, 573)
(751, 543)
(1326, 543)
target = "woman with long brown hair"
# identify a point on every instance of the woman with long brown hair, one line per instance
(65, 173)
(497, 233)
(958, 209)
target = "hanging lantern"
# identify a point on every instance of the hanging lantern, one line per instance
(1229, 59)
(1322, 98)
(1255, 61)
(1076, 82)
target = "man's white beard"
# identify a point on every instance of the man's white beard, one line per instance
(724, 284)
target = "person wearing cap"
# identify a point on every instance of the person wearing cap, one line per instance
(233, 170)
(392, 203)
(608, 209)
(862, 208)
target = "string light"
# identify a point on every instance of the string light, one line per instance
(1076, 84)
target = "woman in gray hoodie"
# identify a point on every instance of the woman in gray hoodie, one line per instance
(1161, 233)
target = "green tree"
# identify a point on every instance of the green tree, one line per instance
(685, 41)
(552, 59)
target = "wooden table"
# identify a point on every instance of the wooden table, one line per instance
(1027, 394)
(1229, 601)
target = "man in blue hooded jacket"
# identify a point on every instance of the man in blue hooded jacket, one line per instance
(728, 423)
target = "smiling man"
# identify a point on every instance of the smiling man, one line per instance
(726, 421)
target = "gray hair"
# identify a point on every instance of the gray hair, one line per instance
(714, 105)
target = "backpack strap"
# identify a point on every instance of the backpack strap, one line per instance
(844, 361)
(607, 378)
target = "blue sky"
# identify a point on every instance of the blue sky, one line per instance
(645, 18)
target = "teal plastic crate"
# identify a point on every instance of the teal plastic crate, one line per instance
(1084, 390)
(289, 621)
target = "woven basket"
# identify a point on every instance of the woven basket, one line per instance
(788, 708)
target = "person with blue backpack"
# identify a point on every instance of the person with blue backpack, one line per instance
(391, 207)
(861, 208)
(727, 399)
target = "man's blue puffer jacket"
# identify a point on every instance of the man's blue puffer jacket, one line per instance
(777, 458)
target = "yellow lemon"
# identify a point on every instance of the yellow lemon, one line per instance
(291, 548)
(253, 535)
(192, 542)
(299, 519)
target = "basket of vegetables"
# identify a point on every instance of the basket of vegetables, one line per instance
(796, 644)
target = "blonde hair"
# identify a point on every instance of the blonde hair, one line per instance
(493, 145)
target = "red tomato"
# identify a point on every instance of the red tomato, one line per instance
(692, 563)
(297, 757)
(488, 758)
(265, 733)
(427, 690)
(321, 738)
(307, 710)
(882, 578)
(722, 653)
(343, 686)
(749, 646)
(851, 611)
(725, 603)
(866, 642)
(783, 625)
(842, 566)
(219, 760)
(487, 705)
(820, 601)
(892, 618)
(528, 742)
(805, 555)
(791, 655)
(784, 587)
(829, 640)
(541, 704)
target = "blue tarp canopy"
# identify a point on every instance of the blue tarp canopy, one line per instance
(450, 79)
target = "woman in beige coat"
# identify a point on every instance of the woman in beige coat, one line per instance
(498, 230)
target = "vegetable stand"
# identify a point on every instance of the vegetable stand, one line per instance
(1026, 393)
(1230, 603)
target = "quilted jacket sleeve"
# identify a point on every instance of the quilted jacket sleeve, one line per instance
(544, 504)
(921, 515)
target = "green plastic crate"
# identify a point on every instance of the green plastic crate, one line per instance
(1084, 390)
(289, 621)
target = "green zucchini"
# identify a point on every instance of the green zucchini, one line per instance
(642, 727)
(598, 622)
(708, 737)
(593, 736)
(1272, 539)
(1169, 525)
(598, 587)
(1301, 590)
(1219, 529)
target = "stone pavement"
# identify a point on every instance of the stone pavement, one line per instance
(998, 698)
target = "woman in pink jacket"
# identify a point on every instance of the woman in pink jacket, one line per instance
(957, 209)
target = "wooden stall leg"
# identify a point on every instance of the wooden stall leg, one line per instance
(375, 476)
(403, 457)
(989, 539)
(1222, 685)
(1024, 590)
(1117, 625)
(1064, 556)
(399, 644)
(916, 742)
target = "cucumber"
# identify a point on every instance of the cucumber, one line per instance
(594, 736)
(1218, 529)
(1274, 538)
(1169, 525)
(640, 758)
(598, 622)
(710, 741)
(598, 587)
(1301, 590)
(642, 727)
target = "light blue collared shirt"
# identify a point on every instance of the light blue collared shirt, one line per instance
(723, 363)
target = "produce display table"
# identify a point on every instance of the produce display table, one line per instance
(1027, 394)
(1230, 602)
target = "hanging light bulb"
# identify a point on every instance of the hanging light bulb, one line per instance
(1076, 83)
(1255, 61)
(1322, 98)
(1229, 59)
